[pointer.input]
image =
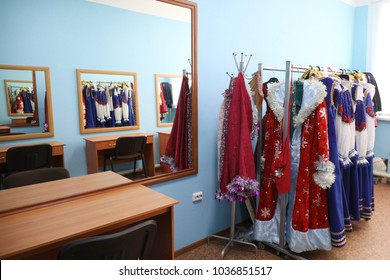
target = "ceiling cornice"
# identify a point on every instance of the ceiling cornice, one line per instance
(358, 3)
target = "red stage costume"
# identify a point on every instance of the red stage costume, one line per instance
(237, 165)
(272, 151)
(178, 153)
(311, 171)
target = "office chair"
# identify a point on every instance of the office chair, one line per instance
(132, 243)
(128, 147)
(22, 158)
(29, 177)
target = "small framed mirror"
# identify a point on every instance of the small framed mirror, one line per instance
(21, 99)
(167, 96)
(25, 101)
(108, 101)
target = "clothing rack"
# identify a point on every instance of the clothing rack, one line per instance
(232, 237)
(19, 87)
(103, 82)
(281, 247)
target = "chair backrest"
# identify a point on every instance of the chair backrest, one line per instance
(133, 243)
(35, 176)
(130, 145)
(22, 158)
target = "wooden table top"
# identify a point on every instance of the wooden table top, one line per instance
(53, 143)
(49, 227)
(38, 195)
(112, 137)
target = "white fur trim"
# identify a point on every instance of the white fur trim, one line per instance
(272, 99)
(314, 92)
(324, 176)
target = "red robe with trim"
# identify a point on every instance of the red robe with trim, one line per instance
(275, 156)
(311, 204)
(238, 156)
(178, 146)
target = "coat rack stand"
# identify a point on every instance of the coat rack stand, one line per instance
(232, 237)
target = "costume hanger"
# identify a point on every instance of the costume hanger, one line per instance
(272, 80)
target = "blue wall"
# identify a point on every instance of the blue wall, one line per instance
(382, 136)
(302, 31)
(359, 50)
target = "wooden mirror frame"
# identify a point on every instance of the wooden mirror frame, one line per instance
(84, 130)
(50, 132)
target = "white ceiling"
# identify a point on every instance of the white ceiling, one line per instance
(357, 3)
(150, 7)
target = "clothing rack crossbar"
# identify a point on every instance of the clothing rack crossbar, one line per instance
(295, 69)
(102, 82)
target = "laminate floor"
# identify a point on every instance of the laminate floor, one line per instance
(369, 240)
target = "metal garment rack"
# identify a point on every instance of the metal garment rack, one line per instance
(232, 237)
(281, 247)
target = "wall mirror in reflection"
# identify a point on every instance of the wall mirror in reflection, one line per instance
(167, 96)
(20, 98)
(108, 100)
(25, 102)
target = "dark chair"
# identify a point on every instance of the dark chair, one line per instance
(133, 243)
(29, 177)
(128, 148)
(22, 158)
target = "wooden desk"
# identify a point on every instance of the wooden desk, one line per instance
(40, 195)
(58, 152)
(96, 147)
(39, 233)
(163, 137)
(5, 129)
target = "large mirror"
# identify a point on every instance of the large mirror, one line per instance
(163, 40)
(25, 102)
(123, 35)
(108, 100)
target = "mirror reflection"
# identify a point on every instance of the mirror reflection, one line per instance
(20, 97)
(167, 96)
(146, 36)
(25, 102)
(107, 100)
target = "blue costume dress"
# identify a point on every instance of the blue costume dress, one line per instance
(90, 109)
(345, 134)
(335, 194)
(367, 188)
(27, 95)
(117, 105)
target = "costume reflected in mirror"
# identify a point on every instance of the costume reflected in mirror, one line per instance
(178, 152)
(108, 100)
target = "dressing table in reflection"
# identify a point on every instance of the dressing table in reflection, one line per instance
(97, 146)
(58, 153)
(5, 129)
(163, 137)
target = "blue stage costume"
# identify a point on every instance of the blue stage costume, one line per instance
(335, 193)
